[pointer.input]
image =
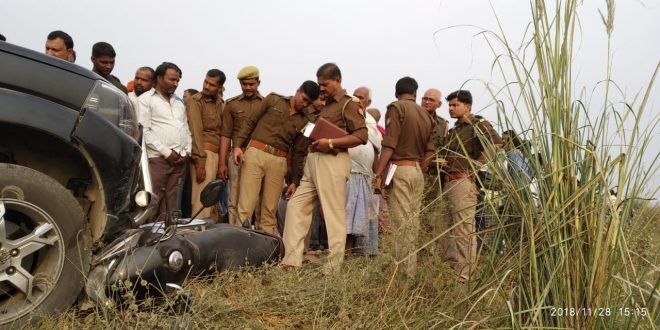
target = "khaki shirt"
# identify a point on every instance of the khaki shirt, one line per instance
(236, 110)
(440, 132)
(409, 130)
(275, 125)
(466, 141)
(350, 118)
(204, 119)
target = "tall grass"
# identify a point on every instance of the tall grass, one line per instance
(578, 259)
(570, 255)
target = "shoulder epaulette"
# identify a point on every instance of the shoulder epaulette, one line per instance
(474, 119)
(353, 98)
(397, 105)
(232, 98)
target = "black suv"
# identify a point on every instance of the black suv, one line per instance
(72, 178)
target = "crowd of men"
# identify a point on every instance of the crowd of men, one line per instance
(262, 146)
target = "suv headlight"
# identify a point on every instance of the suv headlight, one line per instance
(113, 105)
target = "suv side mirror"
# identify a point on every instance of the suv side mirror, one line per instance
(212, 193)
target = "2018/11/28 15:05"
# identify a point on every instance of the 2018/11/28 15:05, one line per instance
(598, 312)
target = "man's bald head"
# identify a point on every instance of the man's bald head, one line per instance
(431, 100)
(364, 94)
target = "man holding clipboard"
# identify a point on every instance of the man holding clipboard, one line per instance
(326, 171)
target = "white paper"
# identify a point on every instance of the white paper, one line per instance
(308, 129)
(390, 174)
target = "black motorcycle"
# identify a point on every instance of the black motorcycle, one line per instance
(162, 255)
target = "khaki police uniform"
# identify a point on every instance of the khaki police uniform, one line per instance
(432, 190)
(466, 141)
(236, 110)
(324, 180)
(270, 133)
(204, 119)
(409, 133)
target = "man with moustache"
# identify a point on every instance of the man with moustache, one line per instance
(273, 131)
(103, 59)
(431, 101)
(142, 82)
(166, 135)
(204, 112)
(327, 169)
(60, 44)
(237, 109)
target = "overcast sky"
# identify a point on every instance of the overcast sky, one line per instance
(374, 42)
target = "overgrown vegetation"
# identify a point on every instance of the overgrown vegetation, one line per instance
(362, 296)
(579, 260)
(573, 251)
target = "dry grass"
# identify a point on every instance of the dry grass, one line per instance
(365, 294)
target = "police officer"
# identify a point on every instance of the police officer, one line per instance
(431, 101)
(467, 146)
(408, 144)
(204, 110)
(326, 171)
(236, 110)
(273, 130)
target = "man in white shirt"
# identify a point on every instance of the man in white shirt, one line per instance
(143, 82)
(362, 222)
(166, 134)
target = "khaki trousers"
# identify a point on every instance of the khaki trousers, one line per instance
(234, 190)
(234, 184)
(434, 206)
(461, 244)
(405, 203)
(261, 168)
(324, 180)
(211, 168)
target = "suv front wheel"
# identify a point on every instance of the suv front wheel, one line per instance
(45, 249)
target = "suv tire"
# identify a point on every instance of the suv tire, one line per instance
(45, 246)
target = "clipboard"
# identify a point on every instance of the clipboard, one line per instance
(323, 128)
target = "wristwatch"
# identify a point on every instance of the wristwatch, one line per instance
(330, 144)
